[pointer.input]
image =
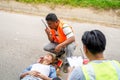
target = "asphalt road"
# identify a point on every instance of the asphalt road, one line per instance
(22, 38)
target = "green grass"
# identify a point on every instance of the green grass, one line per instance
(99, 4)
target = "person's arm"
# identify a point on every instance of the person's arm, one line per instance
(69, 34)
(43, 77)
(49, 34)
(28, 72)
(63, 44)
(32, 73)
(23, 75)
(76, 74)
(68, 41)
(70, 38)
(53, 73)
(24, 72)
(70, 69)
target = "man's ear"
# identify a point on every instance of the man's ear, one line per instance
(57, 21)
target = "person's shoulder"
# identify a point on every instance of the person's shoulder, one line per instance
(116, 62)
(32, 65)
(65, 25)
(78, 69)
(77, 74)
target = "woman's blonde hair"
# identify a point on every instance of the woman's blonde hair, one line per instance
(53, 57)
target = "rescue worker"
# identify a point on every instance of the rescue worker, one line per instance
(99, 68)
(60, 35)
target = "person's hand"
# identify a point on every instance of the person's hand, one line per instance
(70, 69)
(58, 48)
(40, 76)
(47, 31)
(40, 59)
(33, 73)
(43, 77)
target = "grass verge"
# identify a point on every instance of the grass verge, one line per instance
(98, 4)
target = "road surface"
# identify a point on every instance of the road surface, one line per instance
(22, 38)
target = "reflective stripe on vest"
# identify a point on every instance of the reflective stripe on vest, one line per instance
(61, 36)
(107, 70)
(117, 67)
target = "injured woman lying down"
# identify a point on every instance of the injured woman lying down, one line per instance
(42, 70)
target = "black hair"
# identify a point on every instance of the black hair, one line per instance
(95, 41)
(51, 17)
(57, 78)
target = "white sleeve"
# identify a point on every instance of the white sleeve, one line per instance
(67, 31)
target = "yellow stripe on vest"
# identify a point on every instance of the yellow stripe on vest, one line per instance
(104, 70)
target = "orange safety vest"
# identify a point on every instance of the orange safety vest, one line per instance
(61, 37)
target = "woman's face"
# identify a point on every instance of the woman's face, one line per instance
(48, 58)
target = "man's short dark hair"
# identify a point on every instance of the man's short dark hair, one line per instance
(51, 17)
(95, 41)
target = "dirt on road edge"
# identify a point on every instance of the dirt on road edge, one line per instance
(109, 18)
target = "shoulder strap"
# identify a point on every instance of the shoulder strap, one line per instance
(116, 65)
(89, 72)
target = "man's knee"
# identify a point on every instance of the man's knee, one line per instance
(70, 49)
(46, 48)
(49, 47)
(71, 46)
